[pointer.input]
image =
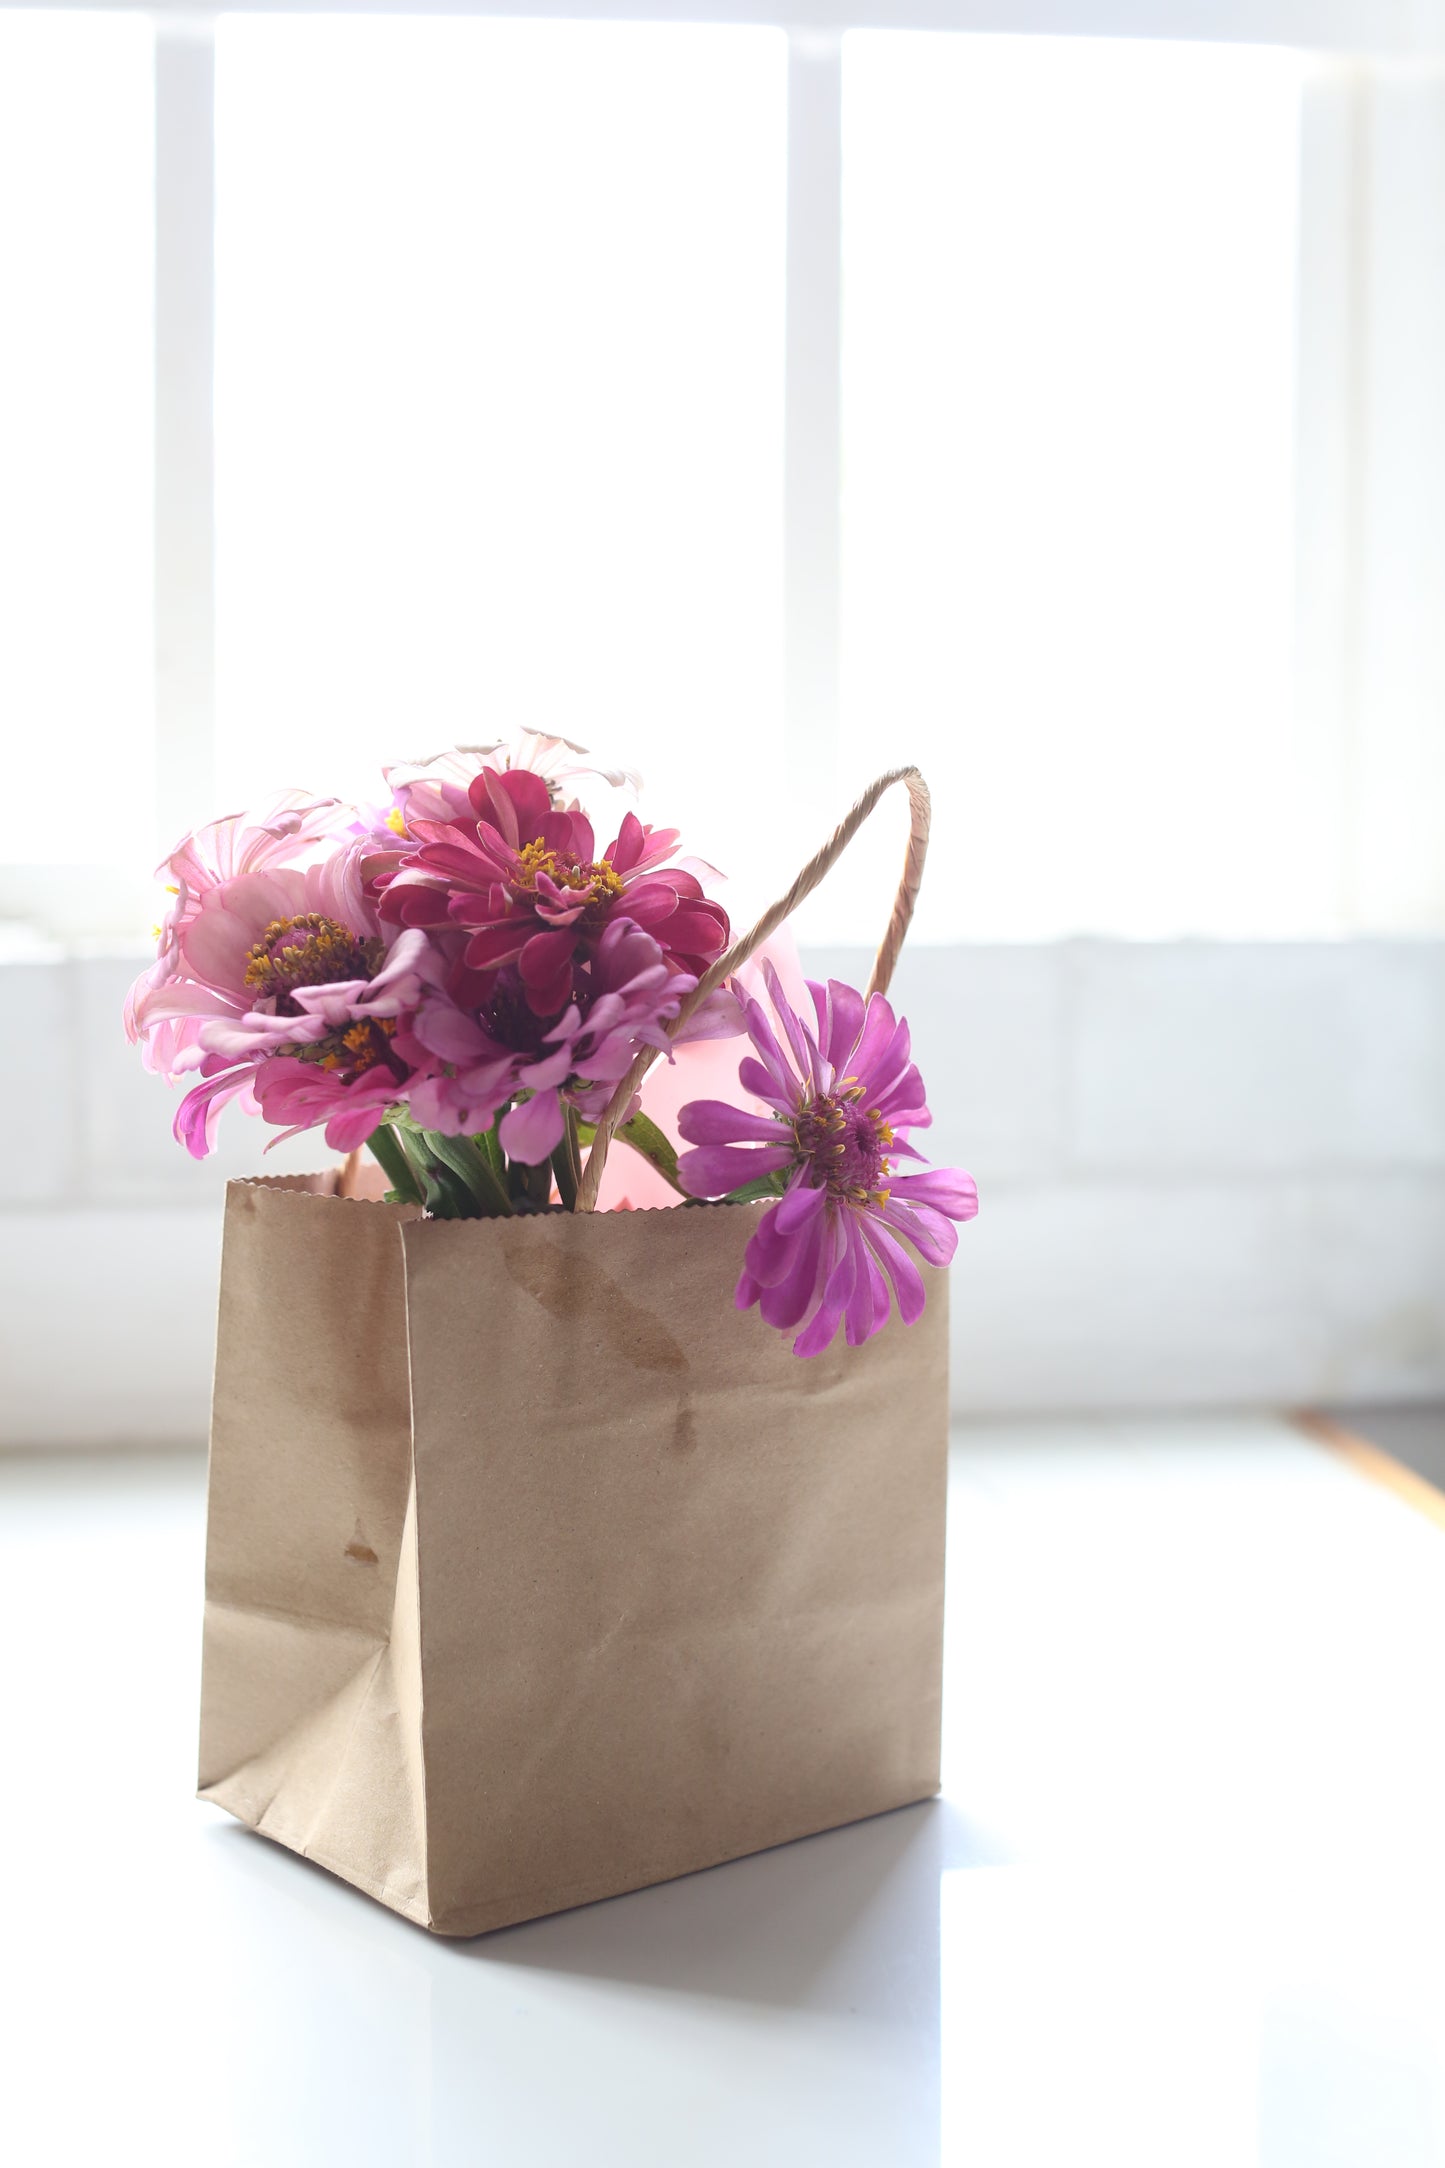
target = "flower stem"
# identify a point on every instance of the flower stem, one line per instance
(473, 1168)
(646, 1138)
(487, 1164)
(537, 1185)
(386, 1149)
(566, 1163)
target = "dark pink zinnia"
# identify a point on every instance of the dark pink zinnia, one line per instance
(828, 1251)
(524, 881)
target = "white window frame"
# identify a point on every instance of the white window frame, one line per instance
(1344, 33)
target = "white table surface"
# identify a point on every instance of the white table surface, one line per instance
(1181, 1906)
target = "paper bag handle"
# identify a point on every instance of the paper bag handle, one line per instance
(772, 918)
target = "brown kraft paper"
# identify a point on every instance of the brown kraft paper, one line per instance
(536, 1572)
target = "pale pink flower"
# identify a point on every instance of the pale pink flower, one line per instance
(435, 789)
(843, 1098)
(219, 967)
(289, 832)
(294, 964)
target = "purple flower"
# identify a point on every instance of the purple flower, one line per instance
(622, 997)
(843, 1099)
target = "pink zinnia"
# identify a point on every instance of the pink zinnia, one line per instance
(351, 1103)
(522, 879)
(827, 1252)
(290, 963)
(290, 832)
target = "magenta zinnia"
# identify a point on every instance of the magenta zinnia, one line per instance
(522, 879)
(843, 1097)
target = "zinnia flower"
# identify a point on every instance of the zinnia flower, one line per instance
(305, 1095)
(292, 963)
(621, 1000)
(522, 878)
(436, 789)
(288, 833)
(843, 1098)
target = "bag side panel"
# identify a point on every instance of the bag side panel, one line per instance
(310, 1702)
(681, 1592)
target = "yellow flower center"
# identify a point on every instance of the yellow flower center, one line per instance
(592, 877)
(359, 1046)
(310, 950)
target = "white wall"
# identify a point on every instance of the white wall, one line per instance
(1210, 1175)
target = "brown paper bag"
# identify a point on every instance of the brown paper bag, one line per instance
(536, 1572)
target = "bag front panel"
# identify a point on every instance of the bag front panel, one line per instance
(681, 1592)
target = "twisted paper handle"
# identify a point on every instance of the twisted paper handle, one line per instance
(770, 921)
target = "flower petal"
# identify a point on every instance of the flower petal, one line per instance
(947, 1189)
(841, 1267)
(551, 1070)
(900, 1268)
(867, 1311)
(545, 964)
(802, 1203)
(199, 1112)
(713, 1121)
(934, 1237)
(349, 1128)
(800, 1039)
(760, 1031)
(879, 1027)
(839, 1010)
(714, 1169)
(446, 1031)
(787, 1303)
(761, 1082)
(627, 850)
(492, 946)
(718, 1015)
(532, 1131)
(769, 1255)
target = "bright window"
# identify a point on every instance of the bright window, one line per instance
(1142, 463)
(499, 398)
(75, 435)
(1069, 294)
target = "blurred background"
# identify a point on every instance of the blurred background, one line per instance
(763, 406)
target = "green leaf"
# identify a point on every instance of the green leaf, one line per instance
(647, 1139)
(766, 1185)
(490, 1146)
(445, 1195)
(484, 1195)
(387, 1150)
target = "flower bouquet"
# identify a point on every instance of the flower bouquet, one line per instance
(537, 1569)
